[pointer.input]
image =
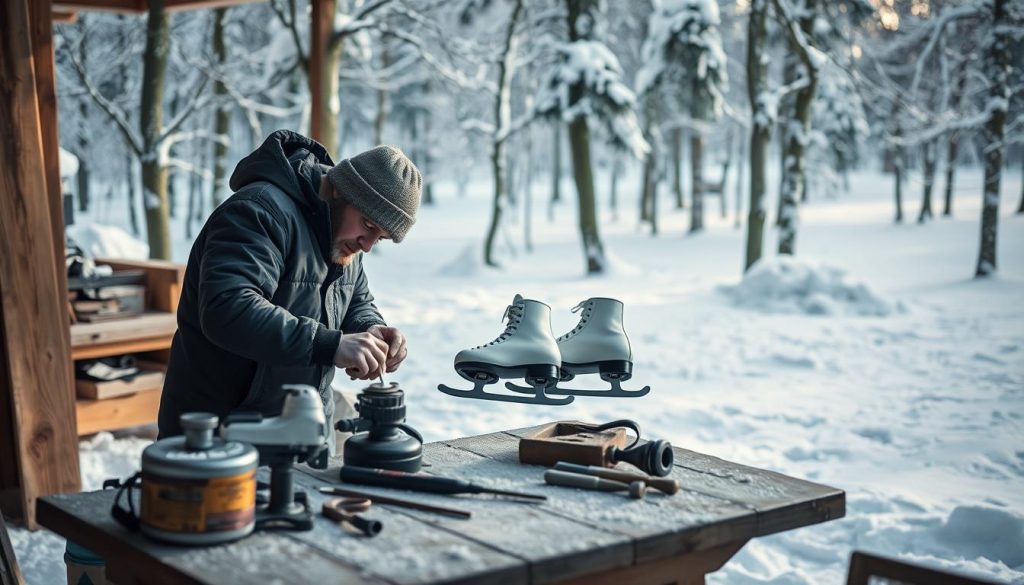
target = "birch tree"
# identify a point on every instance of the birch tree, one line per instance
(798, 31)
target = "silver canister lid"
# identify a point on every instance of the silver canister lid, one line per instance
(198, 454)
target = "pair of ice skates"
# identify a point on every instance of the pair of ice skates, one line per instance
(528, 349)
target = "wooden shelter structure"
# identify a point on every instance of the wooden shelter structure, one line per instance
(38, 434)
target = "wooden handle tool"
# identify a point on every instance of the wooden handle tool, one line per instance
(663, 484)
(636, 489)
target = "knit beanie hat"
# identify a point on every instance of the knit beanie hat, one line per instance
(383, 184)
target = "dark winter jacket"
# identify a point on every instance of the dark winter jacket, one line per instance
(262, 304)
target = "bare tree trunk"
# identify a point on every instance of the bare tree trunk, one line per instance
(154, 173)
(579, 142)
(739, 180)
(951, 152)
(797, 137)
(614, 195)
(896, 158)
(528, 194)
(677, 167)
(382, 101)
(556, 171)
(930, 163)
(696, 180)
(999, 92)
(83, 137)
(790, 72)
(129, 194)
(222, 117)
(1020, 208)
(502, 119)
(954, 141)
(426, 152)
(760, 133)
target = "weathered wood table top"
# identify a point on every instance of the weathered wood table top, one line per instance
(575, 534)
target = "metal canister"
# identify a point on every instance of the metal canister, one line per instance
(198, 489)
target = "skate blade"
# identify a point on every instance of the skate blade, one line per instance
(609, 393)
(479, 394)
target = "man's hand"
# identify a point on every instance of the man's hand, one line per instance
(397, 351)
(363, 355)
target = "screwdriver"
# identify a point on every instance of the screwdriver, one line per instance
(419, 482)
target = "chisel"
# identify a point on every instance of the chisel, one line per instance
(636, 489)
(419, 482)
(662, 484)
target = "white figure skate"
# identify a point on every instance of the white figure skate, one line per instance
(598, 344)
(527, 349)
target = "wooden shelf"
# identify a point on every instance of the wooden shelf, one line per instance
(116, 413)
(149, 332)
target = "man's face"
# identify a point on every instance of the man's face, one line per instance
(353, 231)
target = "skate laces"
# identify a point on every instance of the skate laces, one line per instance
(514, 314)
(585, 306)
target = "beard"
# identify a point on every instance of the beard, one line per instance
(340, 255)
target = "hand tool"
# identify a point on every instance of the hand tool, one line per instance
(636, 489)
(387, 500)
(663, 484)
(344, 510)
(419, 482)
(603, 445)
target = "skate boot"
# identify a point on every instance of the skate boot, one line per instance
(527, 349)
(598, 344)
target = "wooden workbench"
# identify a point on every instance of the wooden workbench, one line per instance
(574, 537)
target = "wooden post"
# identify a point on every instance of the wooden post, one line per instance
(35, 385)
(320, 25)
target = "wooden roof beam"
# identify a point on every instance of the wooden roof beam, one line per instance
(139, 6)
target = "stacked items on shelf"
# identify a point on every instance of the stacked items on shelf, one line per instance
(108, 377)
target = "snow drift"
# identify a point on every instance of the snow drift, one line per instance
(786, 285)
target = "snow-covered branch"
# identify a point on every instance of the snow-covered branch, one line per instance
(938, 27)
(116, 114)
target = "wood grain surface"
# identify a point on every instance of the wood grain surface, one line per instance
(576, 535)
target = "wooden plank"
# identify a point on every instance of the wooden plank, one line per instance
(145, 327)
(60, 17)
(125, 6)
(659, 526)
(40, 19)
(101, 390)
(554, 546)
(10, 574)
(132, 558)
(117, 413)
(687, 569)
(321, 26)
(781, 502)
(154, 344)
(140, 6)
(422, 547)
(38, 382)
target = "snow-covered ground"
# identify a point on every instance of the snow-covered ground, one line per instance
(873, 363)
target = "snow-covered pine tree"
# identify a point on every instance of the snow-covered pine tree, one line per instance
(684, 63)
(585, 85)
(840, 127)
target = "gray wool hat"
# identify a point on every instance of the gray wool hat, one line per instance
(383, 184)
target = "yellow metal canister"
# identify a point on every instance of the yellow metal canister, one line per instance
(198, 489)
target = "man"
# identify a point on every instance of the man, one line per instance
(274, 290)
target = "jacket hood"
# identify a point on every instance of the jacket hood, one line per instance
(291, 162)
